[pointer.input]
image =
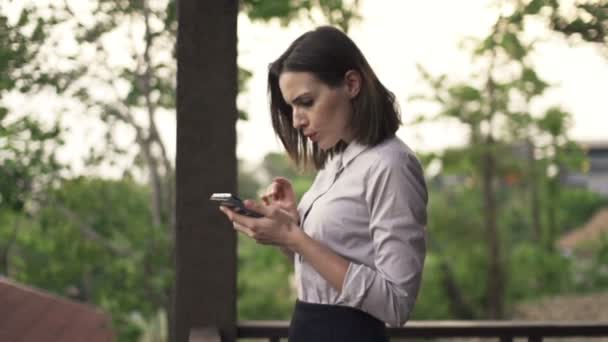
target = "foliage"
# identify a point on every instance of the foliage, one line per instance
(264, 286)
(577, 206)
(433, 301)
(93, 240)
(339, 13)
(265, 280)
(28, 163)
(456, 249)
(590, 21)
(279, 165)
(248, 185)
(593, 275)
(537, 272)
(510, 166)
(27, 160)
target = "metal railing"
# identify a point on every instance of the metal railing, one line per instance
(504, 331)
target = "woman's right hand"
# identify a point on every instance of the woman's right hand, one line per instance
(281, 192)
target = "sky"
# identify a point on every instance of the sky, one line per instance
(395, 36)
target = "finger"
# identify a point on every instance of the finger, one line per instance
(243, 229)
(268, 196)
(292, 215)
(265, 200)
(277, 189)
(271, 193)
(282, 183)
(262, 240)
(225, 210)
(235, 217)
(245, 232)
(281, 180)
(285, 187)
(265, 210)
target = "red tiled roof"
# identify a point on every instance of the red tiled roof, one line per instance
(28, 314)
(590, 231)
(569, 307)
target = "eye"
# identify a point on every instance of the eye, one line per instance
(306, 103)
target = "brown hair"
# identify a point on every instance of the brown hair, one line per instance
(328, 53)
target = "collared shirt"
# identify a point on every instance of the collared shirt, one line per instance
(368, 205)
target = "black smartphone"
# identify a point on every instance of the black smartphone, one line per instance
(234, 203)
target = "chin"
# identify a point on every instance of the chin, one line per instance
(325, 146)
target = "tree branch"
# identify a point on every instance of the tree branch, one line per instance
(90, 234)
(144, 142)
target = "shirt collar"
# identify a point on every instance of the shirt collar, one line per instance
(353, 149)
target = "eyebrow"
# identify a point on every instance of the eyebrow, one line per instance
(299, 97)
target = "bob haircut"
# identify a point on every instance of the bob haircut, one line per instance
(328, 54)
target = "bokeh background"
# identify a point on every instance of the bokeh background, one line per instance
(503, 101)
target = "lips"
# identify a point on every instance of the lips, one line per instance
(312, 136)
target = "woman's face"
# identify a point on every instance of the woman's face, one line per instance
(322, 113)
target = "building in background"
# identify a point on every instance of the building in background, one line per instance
(595, 175)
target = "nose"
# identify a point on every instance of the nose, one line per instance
(298, 118)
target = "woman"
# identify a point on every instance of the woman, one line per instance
(358, 234)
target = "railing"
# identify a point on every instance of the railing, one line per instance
(505, 331)
(273, 331)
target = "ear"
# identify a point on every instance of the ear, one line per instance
(352, 83)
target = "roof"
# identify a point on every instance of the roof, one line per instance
(593, 144)
(570, 307)
(28, 314)
(590, 231)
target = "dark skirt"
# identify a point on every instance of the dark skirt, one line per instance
(332, 323)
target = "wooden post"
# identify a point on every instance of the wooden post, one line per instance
(205, 288)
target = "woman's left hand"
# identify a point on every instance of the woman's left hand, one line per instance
(277, 227)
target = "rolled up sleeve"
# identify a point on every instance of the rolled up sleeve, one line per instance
(396, 196)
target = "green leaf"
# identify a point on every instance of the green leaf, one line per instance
(465, 93)
(555, 121)
(3, 114)
(488, 44)
(534, 6)
(243, 115)
(38, 35)
(513, 47)
(532, 84)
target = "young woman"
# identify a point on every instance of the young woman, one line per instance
(358, 234)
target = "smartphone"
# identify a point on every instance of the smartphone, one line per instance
(234, 203)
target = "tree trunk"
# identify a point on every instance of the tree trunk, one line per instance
(5, 253)
(459, 307)
(496, 278)
(205, 255)
(534, 196)
(495, 288)
(553, 194)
